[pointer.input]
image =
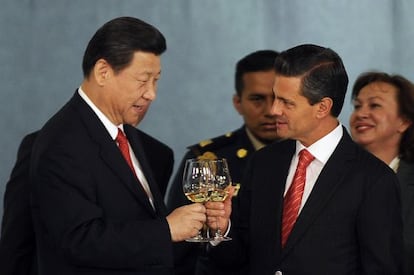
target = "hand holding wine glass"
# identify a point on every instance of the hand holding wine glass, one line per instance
(221, 190)
(197, 186)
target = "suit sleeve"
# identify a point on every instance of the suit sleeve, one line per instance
(380, 236)
(17, 243)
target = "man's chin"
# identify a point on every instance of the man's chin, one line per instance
(134, 122)
(266, 139)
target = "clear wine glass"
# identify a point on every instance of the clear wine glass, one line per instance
(221, 183)
(197, 186)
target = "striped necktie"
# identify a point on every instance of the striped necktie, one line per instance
(293, 197)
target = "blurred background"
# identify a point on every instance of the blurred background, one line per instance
(42, 44)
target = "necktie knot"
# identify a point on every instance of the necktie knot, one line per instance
(121, 138)
(122, 141)
(305, 158)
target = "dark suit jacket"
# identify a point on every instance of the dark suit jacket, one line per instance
(405, 176)
(17, 243)
(91, 215)
(350, 224)
(237, 148)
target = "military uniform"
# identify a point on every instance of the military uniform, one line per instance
(237, 148)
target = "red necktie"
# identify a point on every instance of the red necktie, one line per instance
(293, 197)
(123, 146)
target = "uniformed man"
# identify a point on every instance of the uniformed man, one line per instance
(253, 99)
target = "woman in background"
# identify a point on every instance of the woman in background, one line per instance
(382, 122)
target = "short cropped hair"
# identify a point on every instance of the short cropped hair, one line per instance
(117, 41)
(258, 61)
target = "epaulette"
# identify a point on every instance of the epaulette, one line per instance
(205, 148)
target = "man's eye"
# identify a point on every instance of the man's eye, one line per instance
(256, 98)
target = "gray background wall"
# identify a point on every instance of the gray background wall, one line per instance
(42, 43)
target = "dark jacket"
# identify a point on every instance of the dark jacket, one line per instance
(405, 176)
(17, 243)
(91, 216)
(350, 223)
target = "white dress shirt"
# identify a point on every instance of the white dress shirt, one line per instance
(321, 150)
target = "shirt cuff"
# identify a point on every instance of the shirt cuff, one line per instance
(217, 242)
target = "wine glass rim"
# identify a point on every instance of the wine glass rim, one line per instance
(206, 160)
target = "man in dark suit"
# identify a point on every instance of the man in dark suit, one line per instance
(341, 215)
(253, 99)
(97, 208)
(17, 242)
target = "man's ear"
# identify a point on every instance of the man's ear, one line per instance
(324, 107)
(237, 103)
(101, 71)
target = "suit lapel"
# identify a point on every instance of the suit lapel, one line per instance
(327, 183)
(110, 153)
(137, 147)
(286, 153)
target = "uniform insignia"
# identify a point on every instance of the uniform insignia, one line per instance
(241, 153)
(236, 189)
(208, 155)
(229, 134)
(205, 142)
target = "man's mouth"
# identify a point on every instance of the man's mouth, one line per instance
(269, 125)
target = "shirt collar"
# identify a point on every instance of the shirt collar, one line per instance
(394, 164)
(324, 147)
(110, 127)
(257, 144)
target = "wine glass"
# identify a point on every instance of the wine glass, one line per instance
(197, 186)
(221, 182)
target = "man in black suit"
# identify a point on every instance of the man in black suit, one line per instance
(17, 242)
(97, 208)
(345, 218)
(252, 100)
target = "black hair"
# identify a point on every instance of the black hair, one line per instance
(258, 61)
(322, 71)
(117, 41)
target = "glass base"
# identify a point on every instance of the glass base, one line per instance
(199, 239)
(220, 238)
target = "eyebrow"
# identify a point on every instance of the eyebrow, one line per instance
(369, 98)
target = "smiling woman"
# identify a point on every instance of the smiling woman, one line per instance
(383, 116)
(382, 122)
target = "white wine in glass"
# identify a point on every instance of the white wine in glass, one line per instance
(197, 186)
(221, 183)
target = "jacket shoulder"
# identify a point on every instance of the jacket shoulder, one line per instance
(210, 148)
